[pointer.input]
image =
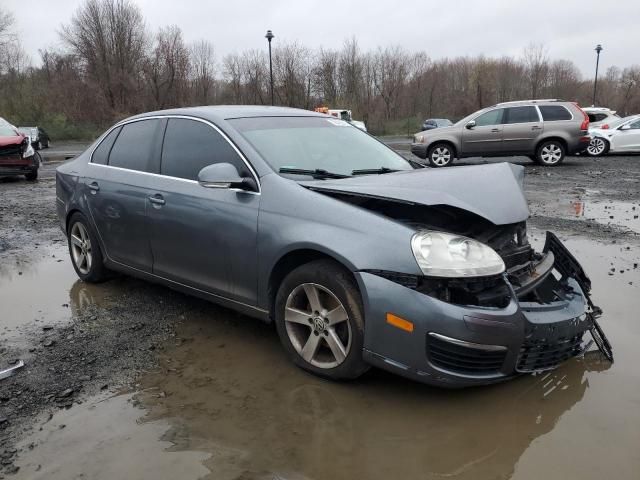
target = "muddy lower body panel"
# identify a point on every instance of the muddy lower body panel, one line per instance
(536, 326)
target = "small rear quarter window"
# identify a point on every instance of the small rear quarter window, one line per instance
(552, 113)
(101, 153)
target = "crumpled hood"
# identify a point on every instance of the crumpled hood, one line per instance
(493, 191)
(13, 140)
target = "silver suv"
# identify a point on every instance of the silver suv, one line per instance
(543, 130)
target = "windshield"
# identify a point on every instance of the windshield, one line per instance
(312, 143)
(620, 121)
(7, 130)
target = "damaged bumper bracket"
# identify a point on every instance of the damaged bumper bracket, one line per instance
(569, 267)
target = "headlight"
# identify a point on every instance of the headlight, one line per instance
(29, 150)
(418, 139)
(442, 254)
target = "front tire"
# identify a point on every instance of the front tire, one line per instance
(440, 155)
(598, 147)
(84, 250)
(320, 321)
(550, 153)
(32, 175)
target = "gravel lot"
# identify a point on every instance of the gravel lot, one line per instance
(132, 380)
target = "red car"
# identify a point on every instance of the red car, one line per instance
(17, 156)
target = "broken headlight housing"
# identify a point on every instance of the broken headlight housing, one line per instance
(28, 152)
(441, 254)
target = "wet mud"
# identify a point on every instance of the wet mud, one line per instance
(167, 386)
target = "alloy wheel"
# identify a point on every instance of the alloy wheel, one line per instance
(551, 154)
(596, 147)
(317, 325)
(441, 156)
(81, 248)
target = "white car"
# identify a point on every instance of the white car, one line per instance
(620, 136)
(600, 116)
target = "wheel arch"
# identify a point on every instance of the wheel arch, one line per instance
(447, 142)
(557, 138)
(292, 260)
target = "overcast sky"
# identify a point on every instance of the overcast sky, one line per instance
(569, 28)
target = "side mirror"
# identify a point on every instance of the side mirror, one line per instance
(625, 127)
(470, 125)
(225, 175)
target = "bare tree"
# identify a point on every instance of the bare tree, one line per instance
(167, 68)
(203, 67)
(109, 37)
(537, 64)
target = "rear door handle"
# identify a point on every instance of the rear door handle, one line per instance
(536, 127)
(495, 130)
(94, 187)
(157, 199)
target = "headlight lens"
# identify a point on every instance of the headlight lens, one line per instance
(442, 254)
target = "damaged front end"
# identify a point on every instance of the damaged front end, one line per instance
(477, 329)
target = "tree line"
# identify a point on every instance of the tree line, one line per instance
(111, 66)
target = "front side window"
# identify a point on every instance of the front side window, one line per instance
(521, 115)
(101, 154)
(492, 117)
(635, 125)
(133, 147)
(312, 143)
(190, 145)
(552, 113)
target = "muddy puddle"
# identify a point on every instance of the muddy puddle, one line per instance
(226, 404)
(622, 215)
(42, 292)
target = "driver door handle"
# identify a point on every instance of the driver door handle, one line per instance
(157, 199)
(495, 130)
(536, 127)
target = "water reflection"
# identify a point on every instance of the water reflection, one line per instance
(271, 417)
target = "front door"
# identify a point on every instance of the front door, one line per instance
(485, 137)
(522, 128)
(117, 190)
(202, 237)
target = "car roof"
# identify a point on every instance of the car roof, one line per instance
(598, 109)
(227, 112)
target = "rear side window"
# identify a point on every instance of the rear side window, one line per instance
(101, 154)
(492, 117)
(552, 113)
(189, 146)
(521, 115)
(132, 149)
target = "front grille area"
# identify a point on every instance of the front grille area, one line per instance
(541, 354)
(464, 359)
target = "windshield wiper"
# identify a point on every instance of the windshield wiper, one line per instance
(318, 173)
(373, 171)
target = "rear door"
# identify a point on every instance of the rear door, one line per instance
(628, 140)
(203, 237)
(485, 138)
(117, 189)
(522, 127)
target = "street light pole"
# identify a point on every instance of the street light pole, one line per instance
(595, 82)
(269, 36)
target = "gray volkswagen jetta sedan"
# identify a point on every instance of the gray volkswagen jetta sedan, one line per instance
(359, 256)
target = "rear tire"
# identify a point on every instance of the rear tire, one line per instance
(550, 153)
(320, 321)
(598, 147)
(84, 250)
(440, 155)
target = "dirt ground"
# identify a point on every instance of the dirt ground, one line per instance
(130, 380)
